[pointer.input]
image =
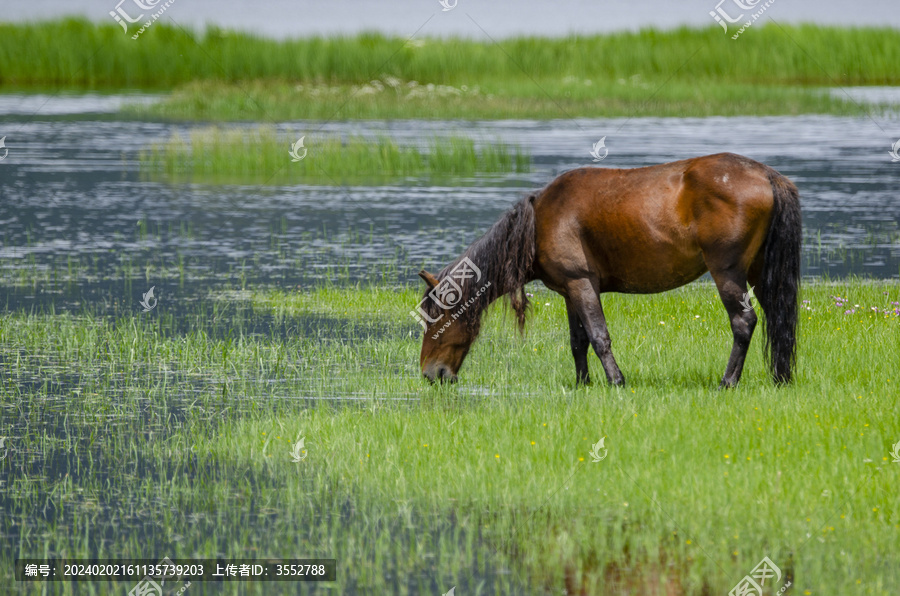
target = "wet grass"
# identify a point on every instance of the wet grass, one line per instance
(222, 75)
(262, 155)
(134, 436)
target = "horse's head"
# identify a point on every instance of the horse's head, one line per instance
(497, 264)
(446, 340)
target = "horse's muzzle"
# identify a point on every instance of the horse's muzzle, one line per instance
(439, 373)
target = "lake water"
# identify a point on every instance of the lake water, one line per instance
(70, 192)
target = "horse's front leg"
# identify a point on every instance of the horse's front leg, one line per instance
(586, 302)
(580, 342)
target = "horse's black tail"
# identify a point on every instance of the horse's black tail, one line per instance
(779, 281)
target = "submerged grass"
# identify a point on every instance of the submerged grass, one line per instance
(129, 438)
(262, 155)
(232, 76)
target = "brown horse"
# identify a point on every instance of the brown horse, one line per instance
(637, 231)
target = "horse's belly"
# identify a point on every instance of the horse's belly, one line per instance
(649, 269)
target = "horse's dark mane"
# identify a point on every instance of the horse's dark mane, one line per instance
(505, 255)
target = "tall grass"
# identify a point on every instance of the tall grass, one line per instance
(222, 75)
(261, 154)
(78, 54)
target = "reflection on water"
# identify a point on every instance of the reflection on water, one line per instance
(28, 104)
(869, 95)
(76, 215)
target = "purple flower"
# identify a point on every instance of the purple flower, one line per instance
(849, 312)
(895, 303)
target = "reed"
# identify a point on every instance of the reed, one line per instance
(76, 53)
(226, 75)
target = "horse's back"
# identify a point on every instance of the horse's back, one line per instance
(649, 229)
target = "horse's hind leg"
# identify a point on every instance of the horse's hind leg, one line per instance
(732, 286)
(580, 342)
(586, 303)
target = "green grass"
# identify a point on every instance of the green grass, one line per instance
(63, 52)
(542, 99)
(224, 75)
(154, 435)
(261, 155)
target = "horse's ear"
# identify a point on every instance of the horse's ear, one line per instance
(429, 279)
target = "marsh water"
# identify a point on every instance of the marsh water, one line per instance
(72, 196)
(82, 229)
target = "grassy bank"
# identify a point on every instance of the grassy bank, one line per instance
(543, 99)
(229, 75)
(261, 155)
(154, 435)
